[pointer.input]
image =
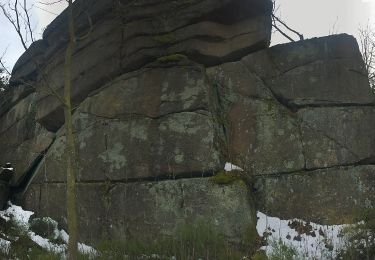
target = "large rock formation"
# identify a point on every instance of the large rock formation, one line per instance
(166, 92)
(126, 36)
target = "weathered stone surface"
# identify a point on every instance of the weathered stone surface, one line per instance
(263, 138)
(144, 14)
(145, 111)
(208, 32)
(236, 78)
(21, 110)
(151, 92)
(327, 196)
(322, 71)
(222, 43)
(4, 194)
(22, 140)
(152, 123)
(26, 154)
(147, 211)
(12, 95)
(94, 63)
(56, 33)
(179, 144)
(268, 138)
(17, 126)
(285, 57)
(335, 81)
(28, 65)
(337, 136)
(22, 149)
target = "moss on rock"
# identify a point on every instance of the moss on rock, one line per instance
(227, 178)
(172, 58)
(164, 38)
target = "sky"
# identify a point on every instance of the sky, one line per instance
(41, 16)
(312, 18)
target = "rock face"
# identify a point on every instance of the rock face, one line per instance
(126, 36)
(166, 92)
(283, 124)
(22, 139)
(328, 196)
(299, 116)
(144, 125)
(147, 211)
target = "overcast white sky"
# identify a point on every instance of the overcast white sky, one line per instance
(312, 18)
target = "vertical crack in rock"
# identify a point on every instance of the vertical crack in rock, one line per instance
(299, 126)
(182, 204)
(30, 174)
(219, 118)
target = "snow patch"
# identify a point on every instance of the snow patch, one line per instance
(46, 244)
(10, 169)
(17, 214)
(231, 167)
(4, 246)
(309, 240)
(21, 219)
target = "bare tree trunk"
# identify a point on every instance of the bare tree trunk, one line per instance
(71, 189)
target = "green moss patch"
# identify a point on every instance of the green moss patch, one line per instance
(172, 58)
(260, 255)
(227, 178)
(164, 38)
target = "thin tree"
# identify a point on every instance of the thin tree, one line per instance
(71, 157)
(367, 46)
(18, 15)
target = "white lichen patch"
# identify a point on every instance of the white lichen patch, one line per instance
(57, 149)
(179, 156)
(186, 123)
(114, 157)
(139, 131)
(289, 164)
(192, 91)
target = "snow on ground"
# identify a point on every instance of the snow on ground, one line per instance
(21, 219)
(231, 167)
(4, 246)
(17, 214)
(313, 241)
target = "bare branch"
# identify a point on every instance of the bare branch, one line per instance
(277, 23)
(282, 33)
(18, 15)
(287, 27)
(2, 64)
(28, 21)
